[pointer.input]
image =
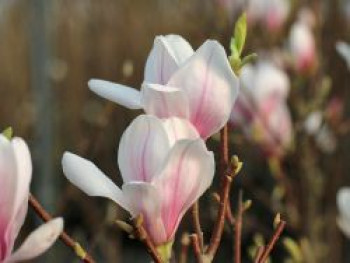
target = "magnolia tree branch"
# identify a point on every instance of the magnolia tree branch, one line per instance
(196, 248)
(238, 229)
(231, 172)
(185, 242)
(70, 242)
(197, 225)
(258, 254)
(272, 242)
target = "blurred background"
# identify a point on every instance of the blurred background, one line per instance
(49, 49)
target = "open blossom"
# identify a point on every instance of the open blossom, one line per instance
(302, 42)
(15, 177)
(165, 167)
(272, 13)
(343, 203)
(199, 86)
(261, 109)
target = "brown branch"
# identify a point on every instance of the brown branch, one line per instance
(231, 172)
(258, 254)
(224, 154)
(196, 248)
(185, 242)
(219, 226)
(272, 242)
(67, 240)
(229, 215)
(197, 225)
(238, 229)
(142, 235)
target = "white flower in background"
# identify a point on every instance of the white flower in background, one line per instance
(343, 203)
(344, 51)
(15, 178)
(198, 86)
(272, 13)
(302, 42)
(261, 109)
(314, 125)
(313, 122)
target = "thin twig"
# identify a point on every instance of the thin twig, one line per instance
(229, 215)
(272, 242)
(185, 242)
(219, 226)
(259, 253)
(70, 242)
(238, 229)
(142, 235)
(224, 154)
(197, 225)
(196, 248)
(231, 172)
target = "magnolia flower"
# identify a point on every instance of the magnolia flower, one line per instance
(15, 177)
(344, 51)
(272, 13)
(343, 203)
(315, 126)
(165, 167)
(302, 42)
(200, 86)
(261, 109)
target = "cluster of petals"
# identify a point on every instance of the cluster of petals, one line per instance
(261, 109)
(272, 13)
(302, 42)
(343, 203)
(165, 167)
(15, 178)
(199, 86)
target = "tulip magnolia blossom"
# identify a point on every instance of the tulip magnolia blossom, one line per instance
(343, 203)
(273, 13)
(302, 42)
(199, 86)
(165, 167)
(15, 177)
(261, 109)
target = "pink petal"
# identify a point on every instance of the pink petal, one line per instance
(117, 93)
(210, 85)
(188, 172)
(143, 198)
(24, 174)
(143, 147)
(167, 54)
(164, 101)
(8, 194)
(38, 241)
(85, 175)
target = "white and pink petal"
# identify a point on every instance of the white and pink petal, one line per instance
(210, 85)
(91, 180)
(142, 149)
(117, 93)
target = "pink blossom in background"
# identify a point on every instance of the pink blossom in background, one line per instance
(261, 109)
(15, 177)
(199, 86)
(272, 13)
(165, 167)
(302, 42)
